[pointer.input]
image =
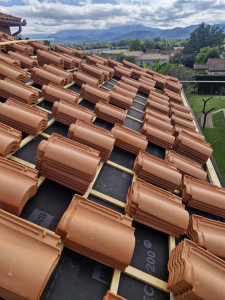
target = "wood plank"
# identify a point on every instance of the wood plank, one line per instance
(107, 198)
(119, 167)
(24, 41)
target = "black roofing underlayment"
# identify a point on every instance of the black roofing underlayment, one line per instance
(76, 276)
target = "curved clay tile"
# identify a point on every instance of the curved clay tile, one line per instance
(194, 273)
(67, 112)
(128, 139)
(147, 81)
(81, 77)
(119, 72)
(69, 50)
(157, 106)
(70, 62)
(94, 94)
(127, 87)
(9, 59)
(18, 183)
(93, 71)
(171, 78)
(173, 96)
(23, 117)
(157, 135)
(120, 100)
(159, 81)
(23, 48)
(110, 113)
(29, 254)
(107, 69)
(98, 232)
(47, 57)
(93, 60)
(59, 71)
(180, 107)
(12, 72)
(152, 112)
(178, 128)
(54, 92)
(111, 296)
(25, 60)
(156, 208)
(137, 73)
(131, 82)
(192, 147)
(145, 88)
(174, 87)
(157, 171)
(203, 195)
(158, 100)
(178, 120)
(208, 234)
(36, 46)
(185, 165)
(123, 92)
(19, 91)
(93, 136)
(10, 139)
(67, 162)
(42, 76)
(160, 123)
(130, 65)
(113, 63)
(159, 95)
(100, 58)
(186, 116)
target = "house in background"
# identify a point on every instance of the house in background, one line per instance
(200, 68)
(7, 21)
(213, 66)
(134, 54)
(151, 59)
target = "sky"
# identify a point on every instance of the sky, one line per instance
(50, 16)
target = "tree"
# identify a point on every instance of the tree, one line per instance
(148, 44)
(188, 60)
(206, 53)
(157, 39)
(204, 36)
(136, 45)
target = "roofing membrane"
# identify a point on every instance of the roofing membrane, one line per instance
(81, 148)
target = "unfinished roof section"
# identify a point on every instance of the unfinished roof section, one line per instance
(25, 60)
(10, 139)
(21, 240)
(80, 78)
(156, 208)
(94, 94)
(110, 113)
(42, 76)
(98, 232)
(120, 100)
(11, 71)
(18, 184)
(54, 92)
(69, 50)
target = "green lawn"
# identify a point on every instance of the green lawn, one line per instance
(215, 136)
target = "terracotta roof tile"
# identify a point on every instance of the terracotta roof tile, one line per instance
(93, 60)
(111, 296)
(21, 240)
(184, 115)
(18, 90)
(10, 139)
(9, 17)
(146, 88)
(107, 69)
(178, 120)
(158, 99)
(162, 108)
(101, 58)
(70, 62)
(156, 208)
(159, 95)
(131, 65)
(47, 57)
(158, 122)
(23, 117)
(173, 87)
(110, 113)
(120, 100)
(80, 77)
(98, 232)
(54, 92)
(180, 107)
(37, 46)
(152, 112)
(137, 73)
(159, 81)
(42, 76)
(120, 72)
(12, 71)
(60, 72)
(124, 92)
(93, 71)
(9, 60)
(173, 96)
(203, 195)
(25, 60)
(18, 183)
(22, 47)
(131, 82)
(208, 234)
(157, 171)
(93, 136)
(94, 94)
(179, 128)
(112, 63)
(127, 86)
(128, 139)
(67, 112)
(67, 162)
(69, 50)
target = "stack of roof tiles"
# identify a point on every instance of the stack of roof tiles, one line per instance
(192, 147)
(9, 60)
(131, 82)
(67, 112)
(91, 60)
(60, 72)
(137, 73)
(70, 62)
(182, 114)
(179, 107)
(93, 136)
(208, 234)
(203, 195)
(156, 208)
(94, 94)
(69, 50)
(179, 128)
(159, 105)
(12, 71)
(124, 92)
(157, 171)
(18, 90)
(195, 273)
(110, 113)
(173, 96)
(106, 69)
(23, 48)
(151, 112)
(25, 60)
(98, 232)
(18, 184)
(175, 119)
(67, 162)
(36, 46)
(80, 78)
(127, 87)
(174, 87)
(47, 57)
(113, 63)
(120, 100)
(128, 139)
(10, 139)
(23, 117)
(120, 71)
(54, 92)
(104, 60)
(111, 296)
(155, 120)
(92, 71)
(42, 76)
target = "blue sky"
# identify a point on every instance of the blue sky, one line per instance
(50, 16)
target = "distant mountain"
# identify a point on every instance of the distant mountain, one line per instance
(118, 33)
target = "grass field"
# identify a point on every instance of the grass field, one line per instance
(215, 136)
